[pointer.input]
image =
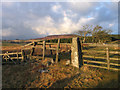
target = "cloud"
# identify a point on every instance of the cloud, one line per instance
(110, 25)
(32, 20)
(56, 8)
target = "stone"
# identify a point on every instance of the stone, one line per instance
(76, 53)
(67, 62)
(43, 71)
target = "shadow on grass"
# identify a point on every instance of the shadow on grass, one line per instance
(62, 83)
(109, 81)
(111, 84)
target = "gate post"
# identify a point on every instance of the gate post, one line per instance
(76, 54)
(43, 58)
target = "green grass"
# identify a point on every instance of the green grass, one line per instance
(4, 43)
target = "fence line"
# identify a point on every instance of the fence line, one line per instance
(44, 48)
(107, 58)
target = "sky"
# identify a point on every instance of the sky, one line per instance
(27, 20)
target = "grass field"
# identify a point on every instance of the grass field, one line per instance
(59, 75)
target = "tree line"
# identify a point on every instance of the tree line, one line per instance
(94, 34)
(91, 34)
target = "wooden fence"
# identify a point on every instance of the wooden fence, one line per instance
(6, 56)
(89, 62)
(106, 60)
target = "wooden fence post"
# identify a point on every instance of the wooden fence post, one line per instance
(57, 50)
(6, 56)
(43, 50)
(23, 55)
(17, 56)
(33, 49)
(108, 60)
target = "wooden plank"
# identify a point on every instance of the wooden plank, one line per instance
(40, 43)
(115, 69)
(57, 50)
(94, 57)
(28, 44)
(114, 52)
(11, 53)
(47, 43)
(111, 52)
(95, 66)
(114, 58)
(100, 57)
(93, 51)
(115, 64)
(16, 58)
(65, 43)
(26, 48)
(43, 50)
(94, 62)
(51, 48)
(10, 57)
(108, 61)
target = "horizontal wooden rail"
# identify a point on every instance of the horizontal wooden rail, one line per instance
(99, 57)
(16, 57)
(26, 48)
(114, 58)
(89, 61)
(66, 43)
(94, 57)
(95, 66)
(115, 69)
(94, 51)
(40, 43)
(114, 52)
(47, 43)
(115, 64)
(102, 67)
(27, 44)
(11, 53)
(111, 52)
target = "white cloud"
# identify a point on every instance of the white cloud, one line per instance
(56, 8)
(110, 25)
(55, 18)
(81, 6)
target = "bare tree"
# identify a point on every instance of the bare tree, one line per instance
(85, 30)
(100, 35)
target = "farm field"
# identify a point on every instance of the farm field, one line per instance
(27, 75)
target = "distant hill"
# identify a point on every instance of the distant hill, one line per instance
(57, 36)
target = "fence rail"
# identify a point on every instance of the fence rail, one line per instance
(107, 60)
